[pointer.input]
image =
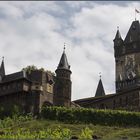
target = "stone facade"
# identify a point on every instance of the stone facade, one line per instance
(127, 58)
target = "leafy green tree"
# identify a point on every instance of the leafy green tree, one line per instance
(30, 68)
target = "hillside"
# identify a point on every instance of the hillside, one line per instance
(40, 128)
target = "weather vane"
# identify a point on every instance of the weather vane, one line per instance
(136, 12)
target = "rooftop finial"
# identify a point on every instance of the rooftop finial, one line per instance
(100, 75)
(64, 46)
(117, 27)
(3, 58)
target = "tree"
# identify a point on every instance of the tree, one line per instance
(29, 68)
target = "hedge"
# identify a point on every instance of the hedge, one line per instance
(89, 115)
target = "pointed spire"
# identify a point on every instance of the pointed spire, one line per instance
(63, 64)
(133, 33)
(118, 35)
(2, 69)
(100, 89)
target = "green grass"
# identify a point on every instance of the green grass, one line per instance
(104, 132)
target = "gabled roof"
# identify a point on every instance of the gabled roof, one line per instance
(133, 33)
(14, 76)
(100, 89)
(90, 100)
(63, 64)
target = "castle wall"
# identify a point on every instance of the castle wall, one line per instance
(9, 101)
(127, 100)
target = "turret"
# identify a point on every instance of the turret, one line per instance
(118, 44)
(62, 93)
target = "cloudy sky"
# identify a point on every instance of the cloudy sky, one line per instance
(33, 33)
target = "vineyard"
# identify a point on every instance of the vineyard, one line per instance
(15, 128)
(27, 127)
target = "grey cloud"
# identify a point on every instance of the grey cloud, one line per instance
(34, 33)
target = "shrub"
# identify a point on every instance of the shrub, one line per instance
(86, 134)
(94, 116)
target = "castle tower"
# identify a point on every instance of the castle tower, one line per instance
(2, 70)
(62, 88)
(100, 89)
(127, 59)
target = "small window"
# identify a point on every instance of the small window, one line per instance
(120, 101)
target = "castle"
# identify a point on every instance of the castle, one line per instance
(31, 90)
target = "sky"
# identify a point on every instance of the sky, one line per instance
(33, 33)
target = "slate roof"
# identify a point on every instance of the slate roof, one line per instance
(133, 33)
(100, 89)
(63, 64)
(14, 76)
(90, 100)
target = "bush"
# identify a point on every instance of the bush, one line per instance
(94, 116)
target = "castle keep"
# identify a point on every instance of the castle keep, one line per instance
(127, 63)
(31, 90)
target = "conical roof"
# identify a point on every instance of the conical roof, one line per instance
(118, 35)
(63, 64)
(100, 89)
(2, 69)
(133, 33)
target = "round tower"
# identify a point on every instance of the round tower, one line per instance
(62, 87)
